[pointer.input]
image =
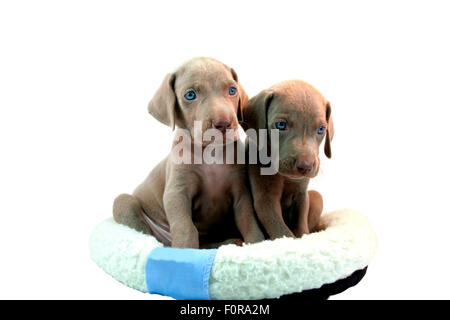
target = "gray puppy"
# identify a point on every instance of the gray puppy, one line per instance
(303, 117)
(195, 205)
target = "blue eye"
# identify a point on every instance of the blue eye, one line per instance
(190, 95)
(281, 125)
(232, 91)
(321, 130)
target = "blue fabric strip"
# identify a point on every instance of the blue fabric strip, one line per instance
(180, 273)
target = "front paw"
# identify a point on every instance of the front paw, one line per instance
(283, 234)
(184, 236)
(255, 237)
(186, 242)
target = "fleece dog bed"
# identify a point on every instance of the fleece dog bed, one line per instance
(317, 265)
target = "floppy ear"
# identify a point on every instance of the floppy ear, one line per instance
(255, 112)
(330, 131)
(255, 115)
(162, 106)
(243, 97)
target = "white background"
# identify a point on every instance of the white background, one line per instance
(76, 77)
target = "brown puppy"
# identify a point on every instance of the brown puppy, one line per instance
(188, 205)
(302, 116)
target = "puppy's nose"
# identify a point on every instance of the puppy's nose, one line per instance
(304, 166)
(222, 125)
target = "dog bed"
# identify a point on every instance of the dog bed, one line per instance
(317, 265)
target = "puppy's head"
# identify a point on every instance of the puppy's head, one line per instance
(303, 118)
(205, 90)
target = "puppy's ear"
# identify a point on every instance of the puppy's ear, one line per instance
(163, 104)
(330, 131)
(255, 112)
(243, 97)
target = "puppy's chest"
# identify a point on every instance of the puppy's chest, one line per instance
(216, 179)
(292, 191)
(215, 188)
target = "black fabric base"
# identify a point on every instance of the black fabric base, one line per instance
(327, 290)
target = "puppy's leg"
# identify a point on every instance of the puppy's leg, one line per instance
(246, 219)
(309, 211)
(270, 214)
(303, 214)
(179, 213)
(128, 211)
(180, 189)
(315, 210)
(266, 201)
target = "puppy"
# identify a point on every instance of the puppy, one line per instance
(302, 117)
(188, 205)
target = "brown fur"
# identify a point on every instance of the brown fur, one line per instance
(281, 201)
(195, 202)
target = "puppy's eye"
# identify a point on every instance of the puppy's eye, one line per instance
(190, 95)
(281, 125)
(232, 91)
(321, 130)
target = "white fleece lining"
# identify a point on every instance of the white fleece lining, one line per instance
(267, 269)
(122, 252)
